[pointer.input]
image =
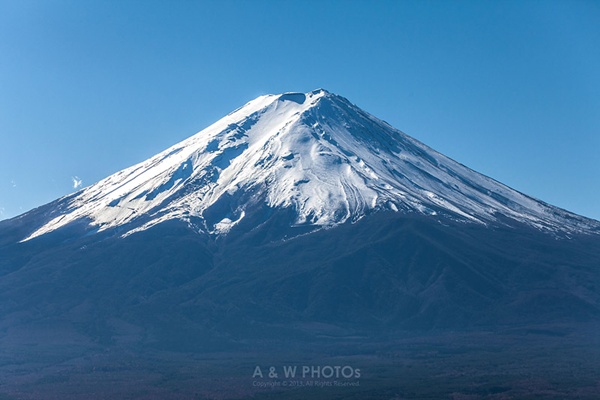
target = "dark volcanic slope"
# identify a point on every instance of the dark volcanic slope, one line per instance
(169, 286)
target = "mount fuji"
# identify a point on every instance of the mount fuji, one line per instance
(297, 221)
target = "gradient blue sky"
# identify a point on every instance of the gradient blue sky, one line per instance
(508, 88)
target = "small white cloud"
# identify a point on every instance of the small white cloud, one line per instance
(76, 182)
(13, 183)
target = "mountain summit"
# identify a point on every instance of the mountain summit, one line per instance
(314, 154)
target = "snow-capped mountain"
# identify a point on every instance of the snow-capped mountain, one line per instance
(314, 153)
(217, 246)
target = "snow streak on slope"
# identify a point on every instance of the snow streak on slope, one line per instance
(315, 153)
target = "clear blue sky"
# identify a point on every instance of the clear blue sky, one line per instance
(508, 88)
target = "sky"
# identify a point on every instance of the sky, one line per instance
(509, 88)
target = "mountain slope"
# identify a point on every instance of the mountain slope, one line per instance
(316, 154)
